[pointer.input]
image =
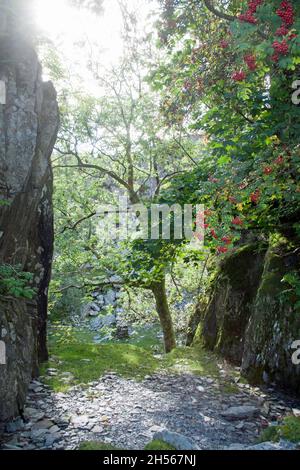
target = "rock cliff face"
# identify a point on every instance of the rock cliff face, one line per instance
(249, 319)
(28, 129)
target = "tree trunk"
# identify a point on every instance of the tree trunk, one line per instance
(162, 306)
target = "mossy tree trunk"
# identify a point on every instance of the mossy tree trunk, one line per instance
(163, 310)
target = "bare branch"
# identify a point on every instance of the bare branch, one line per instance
(185, 151)
(164, 180)
(75, 225)
(220, 14)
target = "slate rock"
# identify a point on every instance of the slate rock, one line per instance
(174, 439)
(240, 412)
(43, 424)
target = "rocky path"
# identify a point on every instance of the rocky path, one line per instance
(127, 413)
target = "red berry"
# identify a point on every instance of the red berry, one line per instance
(222, 249)
(286, 12)
(268, 170)
(226, 240)
(224, 44)
(253, 5)
(281, 47)
(275, 57)
(213, 180)
(251, 62)
(213, 234)
(237, 221)
(247, 18)
(279, 160)
(254, 197)
(239, 76)
(282, 31)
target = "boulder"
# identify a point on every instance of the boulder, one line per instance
(176, 440)
(110, 297)
(251, 318)
(282, 445)
(274, 324)
(224, 322)
(240, 412)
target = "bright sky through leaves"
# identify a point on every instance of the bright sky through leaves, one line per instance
(78, 32)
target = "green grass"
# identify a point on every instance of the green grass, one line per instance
(72, 350)
(270, 434)
(147, 338)
(194, 360)
(158, 445)
(230, 388)
(289, 430)
(93, 445)
(124, 359)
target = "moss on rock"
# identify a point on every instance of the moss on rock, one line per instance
(273, 325)
(250, 320)
(158, 445)
(224, 322)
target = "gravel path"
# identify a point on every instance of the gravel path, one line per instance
(127, 413)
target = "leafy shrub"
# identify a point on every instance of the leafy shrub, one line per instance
(16, 283)
(289, 430)
(292, 293)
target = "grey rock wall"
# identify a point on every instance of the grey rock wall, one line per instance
(29, 121)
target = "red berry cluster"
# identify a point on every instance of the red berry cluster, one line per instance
(286, 13)
(227, 240)
(279, 160)
(222, 249)
(282, 31)
(211, 179)
(239, 76)
(251, 62)
(280, 48)
(248, 16)
(202, 221)
(237, 221)
(255, 197)
(224, 44)
(268, 170)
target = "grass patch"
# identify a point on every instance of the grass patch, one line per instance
(88, 362)
(94, 445)
(147, 338)
(72, 351)
(158, 445)
(270, 434)
(195, 360)
(230, 388)
(289, 430)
